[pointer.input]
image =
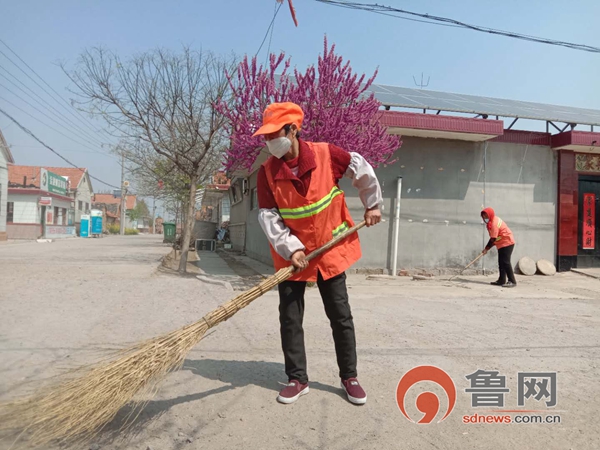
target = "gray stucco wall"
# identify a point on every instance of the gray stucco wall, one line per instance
(255, 243)
(444, 187)
(445, 184)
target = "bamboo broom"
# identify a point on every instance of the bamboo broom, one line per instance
(81, 404)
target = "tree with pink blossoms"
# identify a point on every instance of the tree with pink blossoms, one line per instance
(337, 108)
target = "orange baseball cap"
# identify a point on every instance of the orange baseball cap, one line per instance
(278, 115)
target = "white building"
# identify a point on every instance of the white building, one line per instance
(38, 204)
(6, 158)
(79, 189)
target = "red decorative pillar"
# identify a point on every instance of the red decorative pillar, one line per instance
(568, 198)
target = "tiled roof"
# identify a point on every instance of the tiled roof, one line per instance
(110, 199)
(16, 175)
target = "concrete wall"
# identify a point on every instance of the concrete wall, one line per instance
(204, 230)
(257, 246)
(248, 237)
(444, 187)
(24, 231)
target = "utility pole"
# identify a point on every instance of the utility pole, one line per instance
(153, 215)
(123, 189)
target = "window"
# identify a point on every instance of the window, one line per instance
(254, 199)
(87, 207)
(80, 205)
(10, 207)
(235, 192)
(225, 206)
(61, 217)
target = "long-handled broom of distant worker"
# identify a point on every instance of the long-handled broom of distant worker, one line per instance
(78, 406)
(467, 266)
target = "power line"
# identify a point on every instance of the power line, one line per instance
(275, 11)
(69, 106)
(62, 149)
(47, 116)
(268, 29)
(51, 149)
(26, 74)
(439, 20)
(45, 124)
(48, 105)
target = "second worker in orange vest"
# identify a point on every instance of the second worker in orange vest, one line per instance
(302, 208)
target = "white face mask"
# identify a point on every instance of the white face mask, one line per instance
(486, 220)
(279, 147)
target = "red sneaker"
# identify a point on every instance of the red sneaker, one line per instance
(355, 393)
(292, 392)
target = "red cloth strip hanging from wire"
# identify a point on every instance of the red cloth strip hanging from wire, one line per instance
(292, 11)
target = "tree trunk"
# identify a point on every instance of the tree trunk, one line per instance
(188, 227)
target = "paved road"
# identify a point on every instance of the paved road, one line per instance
(69, 302)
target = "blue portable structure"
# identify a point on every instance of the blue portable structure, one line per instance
(84, 231)
(96, 216)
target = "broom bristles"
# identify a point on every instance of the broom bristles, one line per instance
(76, 408)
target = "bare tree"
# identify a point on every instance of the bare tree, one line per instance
(163, 104)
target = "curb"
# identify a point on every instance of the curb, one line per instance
(226, 284)
(579, 272)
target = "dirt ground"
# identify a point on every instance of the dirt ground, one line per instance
(70, 302)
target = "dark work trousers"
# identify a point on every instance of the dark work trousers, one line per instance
(505, 265)
(291, 314)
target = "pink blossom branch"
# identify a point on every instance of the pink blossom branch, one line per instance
(336, 106)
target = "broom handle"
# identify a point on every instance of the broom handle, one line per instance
(468, 265)
(335, 240)
(228, 309)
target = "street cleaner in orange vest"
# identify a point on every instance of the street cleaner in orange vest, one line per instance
(502, 238)
(302, 208)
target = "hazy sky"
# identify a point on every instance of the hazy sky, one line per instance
(43, 32)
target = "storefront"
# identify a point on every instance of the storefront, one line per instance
(38, 212)
(579, 199)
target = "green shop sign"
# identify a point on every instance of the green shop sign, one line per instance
(50, 182)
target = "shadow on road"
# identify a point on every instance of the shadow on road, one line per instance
(236, 374)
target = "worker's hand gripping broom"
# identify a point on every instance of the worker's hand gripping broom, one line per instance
(76, 408)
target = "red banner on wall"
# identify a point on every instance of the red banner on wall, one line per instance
(589, 222)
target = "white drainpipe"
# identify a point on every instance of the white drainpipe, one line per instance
(394, 270)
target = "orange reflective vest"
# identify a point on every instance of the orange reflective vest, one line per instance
(316, 218)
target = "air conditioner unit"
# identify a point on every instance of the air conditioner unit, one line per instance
(206, 245)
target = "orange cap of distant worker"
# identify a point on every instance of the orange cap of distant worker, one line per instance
(278, 115)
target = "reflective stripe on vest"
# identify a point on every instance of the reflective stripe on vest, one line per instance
(499, 225)
(339, 230)
(310, 210)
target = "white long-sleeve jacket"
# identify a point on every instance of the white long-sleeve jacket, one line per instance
(279, 235)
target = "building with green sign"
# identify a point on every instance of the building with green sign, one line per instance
(38, 204)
